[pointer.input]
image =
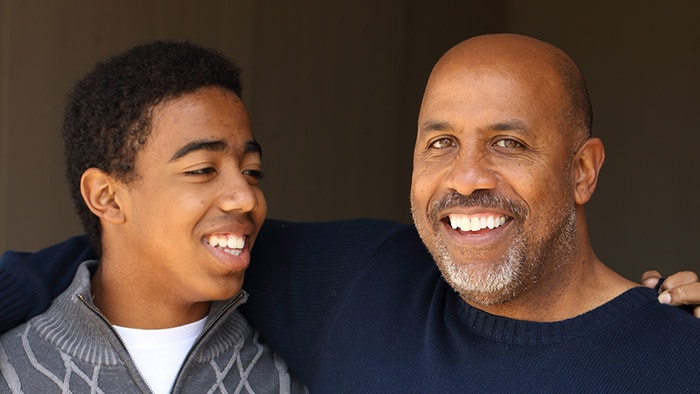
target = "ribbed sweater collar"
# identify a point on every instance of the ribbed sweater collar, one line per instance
(70, 325)
(520, 332)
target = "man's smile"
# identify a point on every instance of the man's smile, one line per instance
(475, 222)
(475, 229)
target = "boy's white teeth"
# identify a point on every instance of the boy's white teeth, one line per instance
(473, 223)
(229, 243)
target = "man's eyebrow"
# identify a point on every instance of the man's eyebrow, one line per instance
(509, 125)
(434, 126)
(208, 145)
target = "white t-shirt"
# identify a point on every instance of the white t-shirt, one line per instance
(158, 354)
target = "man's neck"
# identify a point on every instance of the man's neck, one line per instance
(563, 295)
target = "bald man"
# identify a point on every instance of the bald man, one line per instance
(508, 296)
(503, 164)
(514, 298)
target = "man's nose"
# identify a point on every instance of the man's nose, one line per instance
(471, 171)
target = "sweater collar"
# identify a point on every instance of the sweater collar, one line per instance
(521, 332)
(71, 325)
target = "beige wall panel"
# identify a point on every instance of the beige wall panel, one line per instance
(641, 62)
(4, 104)
(327, 78)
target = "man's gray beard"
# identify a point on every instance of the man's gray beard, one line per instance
(520, 267)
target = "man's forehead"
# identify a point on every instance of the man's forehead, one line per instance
(497, 70)
(483, 104)
(506, 55)
(472, 90)
(468, 90)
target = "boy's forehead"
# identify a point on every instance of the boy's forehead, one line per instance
(206, 120)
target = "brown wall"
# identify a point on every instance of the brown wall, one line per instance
(642, 63)
(45, 46)
(334, 87)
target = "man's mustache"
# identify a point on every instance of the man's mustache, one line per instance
(479, 198)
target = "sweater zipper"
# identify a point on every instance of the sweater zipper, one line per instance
(207, 328)
(116, 333)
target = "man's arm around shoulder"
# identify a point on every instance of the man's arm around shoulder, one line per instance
(30, 281)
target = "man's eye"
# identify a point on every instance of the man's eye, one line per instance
(442, 143)
(201, 171)
(509, 143)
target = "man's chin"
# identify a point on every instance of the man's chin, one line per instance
(486, 299)
(492, 286)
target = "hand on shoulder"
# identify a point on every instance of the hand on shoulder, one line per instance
(681, 288)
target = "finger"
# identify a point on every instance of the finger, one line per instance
(681, 295)
(696, 312)
(650, 278)
(679, 279)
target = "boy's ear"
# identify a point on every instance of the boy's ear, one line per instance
(99, 191)
(587, 164)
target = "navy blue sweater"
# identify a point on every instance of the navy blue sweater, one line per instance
(359, 306)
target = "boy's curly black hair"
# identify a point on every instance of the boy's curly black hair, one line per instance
(108, 116)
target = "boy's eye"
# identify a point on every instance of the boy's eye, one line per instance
(255, 174)
(201, 171)
(442, 143)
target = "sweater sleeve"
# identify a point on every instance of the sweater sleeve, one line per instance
(298, 272)
(30, 281)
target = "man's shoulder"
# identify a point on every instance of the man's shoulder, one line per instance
(73, 249)
(664, 339)
(657, 331)
(651, 309)
(671, 321)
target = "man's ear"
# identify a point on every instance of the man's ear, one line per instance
(588, 161)
(99, 191)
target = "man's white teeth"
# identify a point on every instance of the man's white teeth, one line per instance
(231, 244)
(466, 223)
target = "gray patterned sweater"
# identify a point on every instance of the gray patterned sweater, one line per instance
(72, 348)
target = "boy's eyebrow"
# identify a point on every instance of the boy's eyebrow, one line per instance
(252, 147)
(214, 145)
(208, 145)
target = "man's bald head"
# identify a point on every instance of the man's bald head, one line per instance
(528, 59)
